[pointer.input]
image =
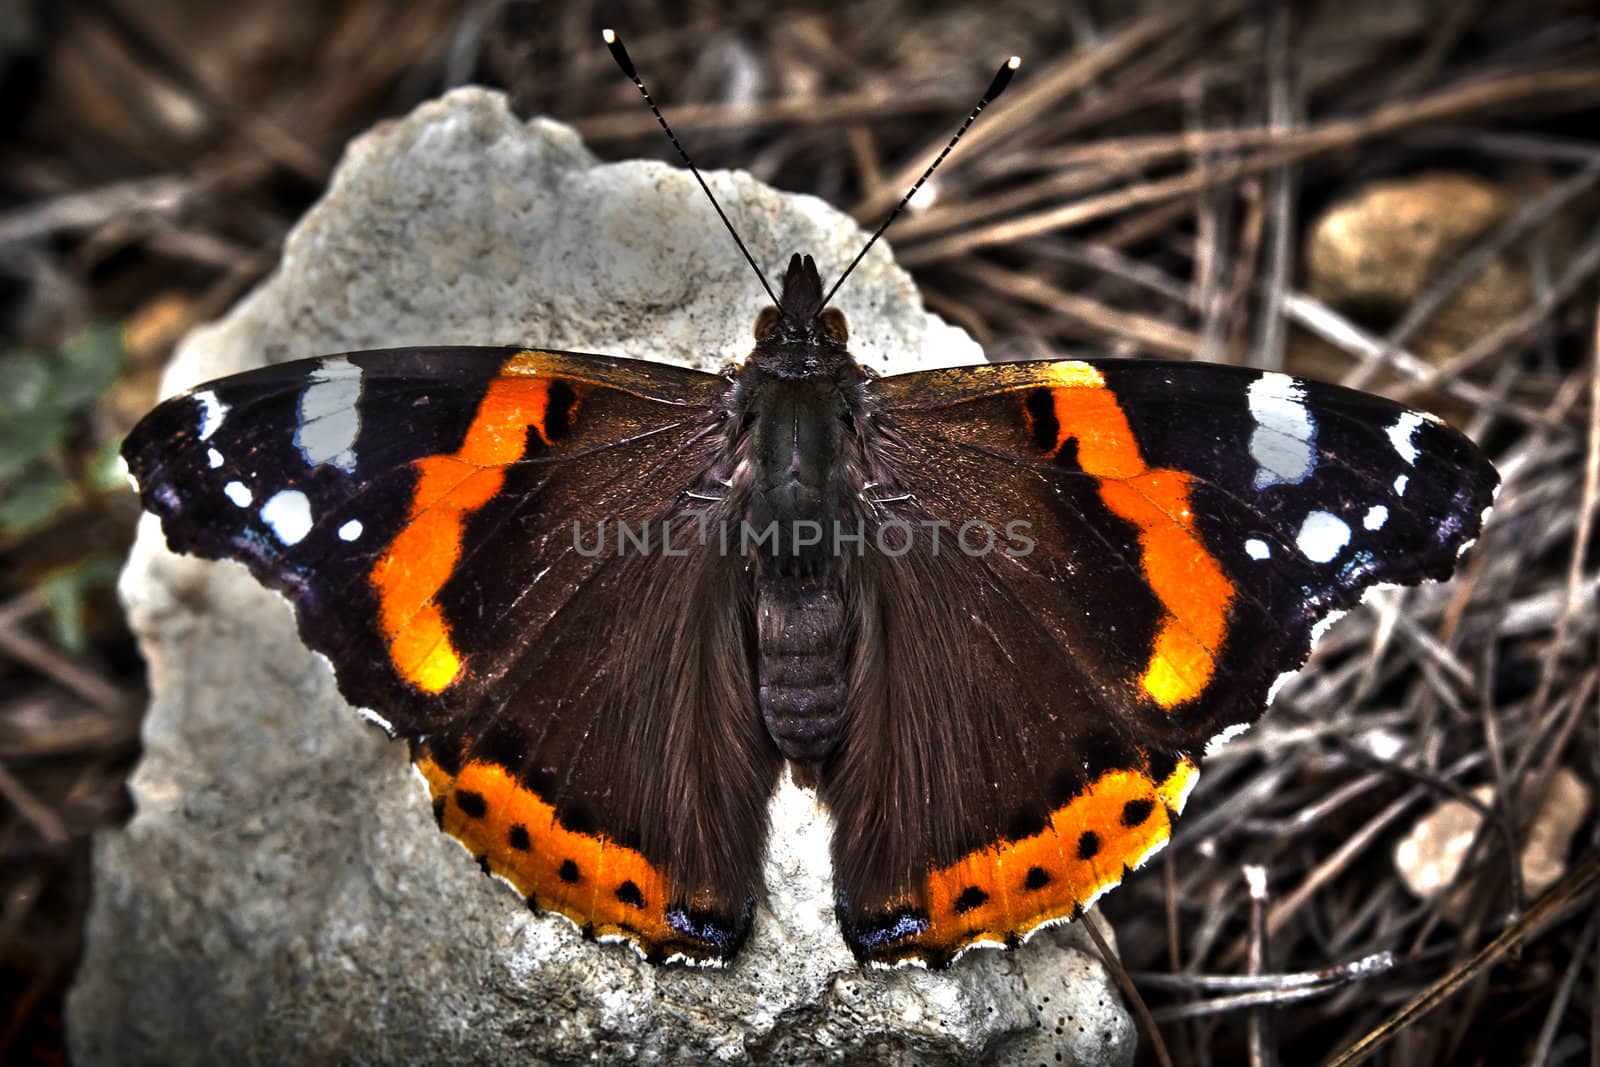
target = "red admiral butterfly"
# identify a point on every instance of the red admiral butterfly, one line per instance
(994, 616)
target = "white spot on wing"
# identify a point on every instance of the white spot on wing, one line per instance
(330, 418)
(1256, 548)
(1483, 523)
(212, 412)
(1322, 537)
(1282, 441)
(1400, 483)
(1401, 432)
(350, 530)
(239, 493)
(1376, 516)
(214, 458)
(289, 515)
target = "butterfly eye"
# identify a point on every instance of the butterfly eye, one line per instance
(834, 326)
(765, 321)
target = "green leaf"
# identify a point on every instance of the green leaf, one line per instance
(26, 378)
(26, 440)
(66, 592)
(32, 499)
(65, 382)
(41, 396)
(89, 366)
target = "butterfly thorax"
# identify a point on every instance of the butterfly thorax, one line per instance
(799, 396)
(797, 400)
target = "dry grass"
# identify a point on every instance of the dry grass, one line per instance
(1148, 186)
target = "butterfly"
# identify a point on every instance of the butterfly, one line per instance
(994, 616)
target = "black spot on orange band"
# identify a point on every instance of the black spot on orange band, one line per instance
(971, 897)
(560, 406)
(1135, 812)
(604, 887)
(1040, 407)
(1082, 851)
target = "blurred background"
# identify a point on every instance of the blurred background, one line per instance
(1395, 194)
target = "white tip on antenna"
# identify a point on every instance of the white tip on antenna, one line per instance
(1002, 78)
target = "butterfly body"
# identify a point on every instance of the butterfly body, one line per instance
(800, 403)
(991, 615)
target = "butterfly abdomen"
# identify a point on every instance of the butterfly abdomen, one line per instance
(800, 623)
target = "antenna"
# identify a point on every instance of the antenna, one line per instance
(1002, 78)
(620, 54)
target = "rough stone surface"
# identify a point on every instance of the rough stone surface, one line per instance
(282, 893)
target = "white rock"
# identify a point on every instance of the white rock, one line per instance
(282, 893)
(1429, 856)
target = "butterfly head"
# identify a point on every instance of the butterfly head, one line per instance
(800, 337)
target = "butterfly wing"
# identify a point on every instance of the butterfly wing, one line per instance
(1166, 539)
(439, 518)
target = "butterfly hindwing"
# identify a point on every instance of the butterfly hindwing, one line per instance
(979, 788)
(435, 516)
(631, 798)
(1185, 528)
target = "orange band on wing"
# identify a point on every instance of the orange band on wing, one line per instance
(605, 888)
(1184, 576)
(1013, 887)
(449, 489)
